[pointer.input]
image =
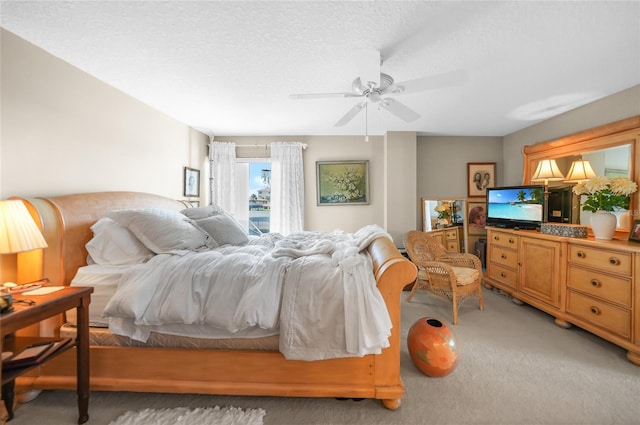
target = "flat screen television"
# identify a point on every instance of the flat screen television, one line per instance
(516, 206)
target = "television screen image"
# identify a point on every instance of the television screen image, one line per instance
(516, 206)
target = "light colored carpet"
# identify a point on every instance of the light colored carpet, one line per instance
(516, 367)
(183, 416)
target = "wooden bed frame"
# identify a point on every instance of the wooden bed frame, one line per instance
(66, 222)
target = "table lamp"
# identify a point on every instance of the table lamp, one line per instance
(18, 232)
(547, 171)
(580, 171)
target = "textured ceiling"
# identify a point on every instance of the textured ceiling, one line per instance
(227, 68)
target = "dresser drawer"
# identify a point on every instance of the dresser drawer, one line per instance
(451, 234)
(452, 246)
(502, 274)
(504, 239)
(609, 288)
(608, 317)
(504, 257)
(613, 261)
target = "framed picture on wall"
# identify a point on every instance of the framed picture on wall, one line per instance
(342, 182)
(634, 234)
(476, 216)
(480, 176)
(191, 182)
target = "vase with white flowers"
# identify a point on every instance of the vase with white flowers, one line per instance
(605, 195)
(443, 214)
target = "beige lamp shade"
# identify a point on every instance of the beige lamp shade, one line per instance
(18, 231)
(547, 171)
(580, 170)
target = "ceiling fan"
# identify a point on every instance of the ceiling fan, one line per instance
(379, 88)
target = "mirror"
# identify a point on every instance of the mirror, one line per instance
(611, 151)
(564, 206)
(445, 213)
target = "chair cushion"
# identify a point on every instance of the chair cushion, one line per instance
(422, 274)
(465, 275)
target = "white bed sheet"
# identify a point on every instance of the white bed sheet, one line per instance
(105, 279)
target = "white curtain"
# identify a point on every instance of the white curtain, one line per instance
(222, 163)
(287, 187)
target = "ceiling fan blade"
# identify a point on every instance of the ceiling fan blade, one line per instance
(368, 63)
(322, 95)
(398, 109)
(349, 115)
(432, 82)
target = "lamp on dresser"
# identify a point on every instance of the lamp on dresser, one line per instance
(547, 171)
(579, 171)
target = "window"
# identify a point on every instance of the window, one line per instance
(253, 184)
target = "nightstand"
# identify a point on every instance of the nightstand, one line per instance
(44, 307)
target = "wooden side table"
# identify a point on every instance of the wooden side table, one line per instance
(44, 307)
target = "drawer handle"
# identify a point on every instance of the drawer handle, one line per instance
(595, 310)
(596, 283)
(496, 238)
(503, 275)
(511, 240)
(614, 261)
(581, 254)
(503, 256)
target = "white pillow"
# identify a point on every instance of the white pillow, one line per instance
(113, 244)
(198, 213)
(163, 231)
(224, 229)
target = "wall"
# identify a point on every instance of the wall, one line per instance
(329, 148)
(442, 165)
(400, 148)
(612, 108)
(392, 170)
(63, 131)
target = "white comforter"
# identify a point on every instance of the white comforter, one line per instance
(316, 288)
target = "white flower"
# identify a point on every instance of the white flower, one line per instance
(605, 193)
(580, 189)
(597, 184)
(623, 186)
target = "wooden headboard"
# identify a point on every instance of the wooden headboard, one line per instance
(66, 224)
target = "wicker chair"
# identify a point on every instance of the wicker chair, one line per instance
(452, 276)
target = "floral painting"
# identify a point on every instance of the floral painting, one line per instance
(342, 182)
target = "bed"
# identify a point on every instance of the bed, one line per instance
(226, 368)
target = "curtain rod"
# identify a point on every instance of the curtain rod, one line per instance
(265, 145)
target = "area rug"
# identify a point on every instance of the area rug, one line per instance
(196, 416)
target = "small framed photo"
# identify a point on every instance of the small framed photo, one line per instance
(476, 217)
(634, 234)
(191, 182)
(342, 182)
(480, 176)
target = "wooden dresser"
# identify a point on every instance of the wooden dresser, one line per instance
(586, 282)
(449, 237)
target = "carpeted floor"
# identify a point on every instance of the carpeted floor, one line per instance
(516, 367)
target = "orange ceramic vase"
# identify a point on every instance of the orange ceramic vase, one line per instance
(432, 347)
